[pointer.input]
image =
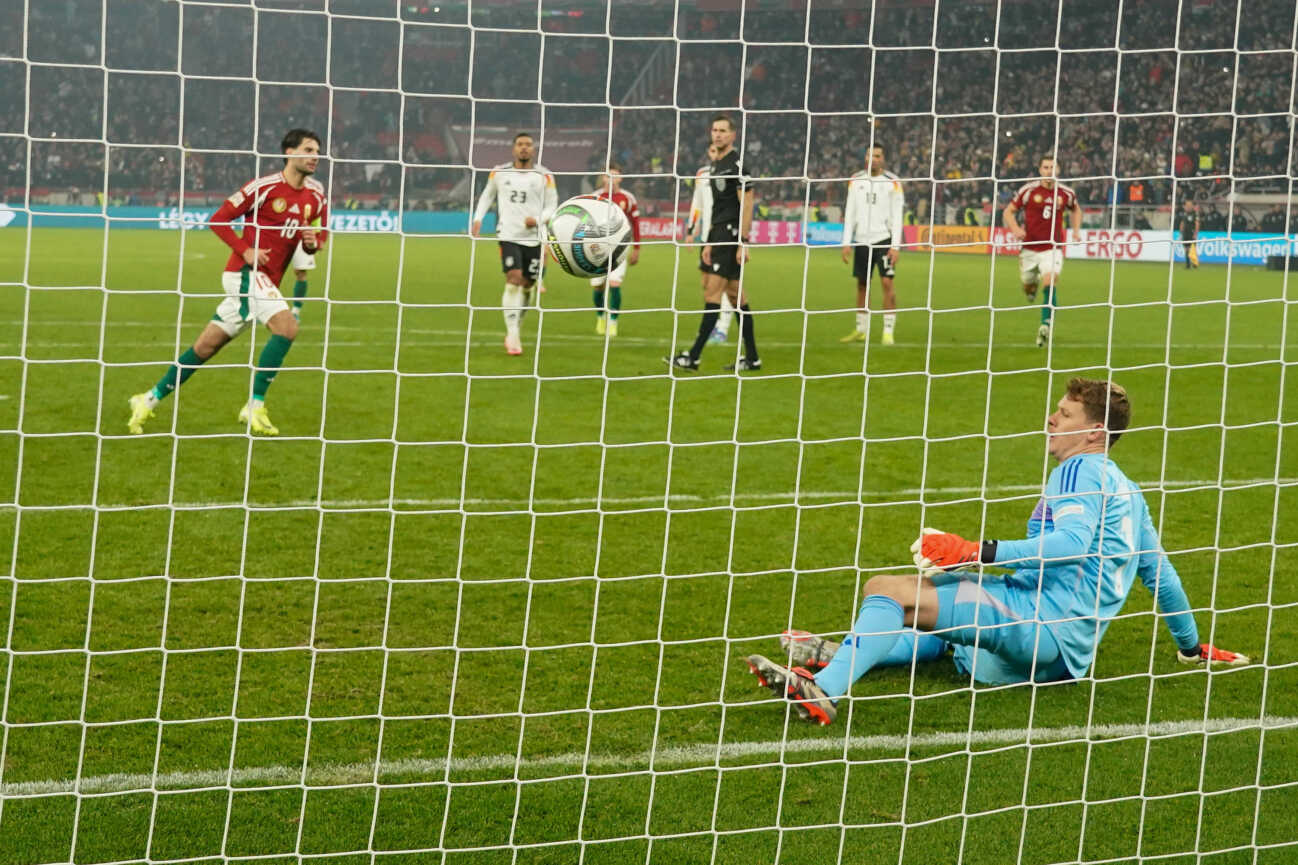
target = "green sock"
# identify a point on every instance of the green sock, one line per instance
(178, 373)
(614, 300)
(597, 299)
(268, 364)
(1047, 304)
(299, 292)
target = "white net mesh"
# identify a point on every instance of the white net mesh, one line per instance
(477, 607)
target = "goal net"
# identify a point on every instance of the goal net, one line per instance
(478, 607)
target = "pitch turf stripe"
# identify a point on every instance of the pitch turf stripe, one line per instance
(426, 770)
(675, 498)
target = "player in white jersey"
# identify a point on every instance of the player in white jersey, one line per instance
(525, 198)
(696, 231)
(872, 224)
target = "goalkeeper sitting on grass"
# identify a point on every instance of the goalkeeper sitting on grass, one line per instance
(1088, 539)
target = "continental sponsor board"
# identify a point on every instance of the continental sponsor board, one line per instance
(963, 239)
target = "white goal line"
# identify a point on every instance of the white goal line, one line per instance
(345, 774)
(911, 495)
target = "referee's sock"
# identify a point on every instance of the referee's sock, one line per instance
(746, 328)
(711, 311)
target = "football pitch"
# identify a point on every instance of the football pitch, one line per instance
(474, 608)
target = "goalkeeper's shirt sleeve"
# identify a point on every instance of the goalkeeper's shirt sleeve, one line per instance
(1164, 583)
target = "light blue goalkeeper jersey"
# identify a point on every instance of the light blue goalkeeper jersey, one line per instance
(1089, 538)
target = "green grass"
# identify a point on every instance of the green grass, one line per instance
(473, 567)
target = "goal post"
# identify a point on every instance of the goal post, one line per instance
(478, 606)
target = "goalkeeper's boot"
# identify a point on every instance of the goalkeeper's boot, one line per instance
(600, 325)
(805, 649)
(1043, 336)
(796, 685)
(612, 327)
(854, 336)
(513, 344)
(745, 365)
(141, 410)
(682, 361)
(718, 335)
(1206, 654)
(256, 418)
(888, 338)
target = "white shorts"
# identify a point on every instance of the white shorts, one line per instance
(614, 278)
(302, 260)
(1036, 263)
(249, 297)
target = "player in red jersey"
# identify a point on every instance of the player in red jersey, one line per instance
(1044, 203)
(277, 211)
(611, 190)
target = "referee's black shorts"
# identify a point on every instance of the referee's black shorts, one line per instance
(869, 257)
(724, 240)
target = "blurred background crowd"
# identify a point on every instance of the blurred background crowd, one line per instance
(1144, 101)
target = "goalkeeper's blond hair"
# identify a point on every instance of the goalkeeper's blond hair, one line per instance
(1105, 402)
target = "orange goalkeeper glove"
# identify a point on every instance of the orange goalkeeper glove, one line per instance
(936, 552)
(1207, 653)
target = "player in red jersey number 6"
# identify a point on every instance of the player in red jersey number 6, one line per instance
(1043, 204)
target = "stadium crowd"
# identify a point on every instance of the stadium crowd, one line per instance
(961, 118)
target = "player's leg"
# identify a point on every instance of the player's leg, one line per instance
(714, 287)
(232, 316)
(721, 332)
(268, 308)
(804, 649)
(598, 287)
(878, 637)
(861, 272)
(512, 300)
(1029, 273)
(886, 274)
(750, 360)
(209, 342)
(892, 601)
(1052, 263)
(615, 296)
(301, 263)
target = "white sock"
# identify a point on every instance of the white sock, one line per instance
(727, 314)
(889, 321)
(861, 318)
(512, 301)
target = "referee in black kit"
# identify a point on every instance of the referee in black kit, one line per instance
(725, 252)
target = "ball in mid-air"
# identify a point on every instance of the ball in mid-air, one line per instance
(588, 236)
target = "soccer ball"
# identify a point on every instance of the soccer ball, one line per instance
(588, 236)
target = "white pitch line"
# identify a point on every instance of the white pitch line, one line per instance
(596, 340)
(335, 774)
(634, 340)
(676, 498)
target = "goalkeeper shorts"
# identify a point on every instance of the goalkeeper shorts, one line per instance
(996, 638)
